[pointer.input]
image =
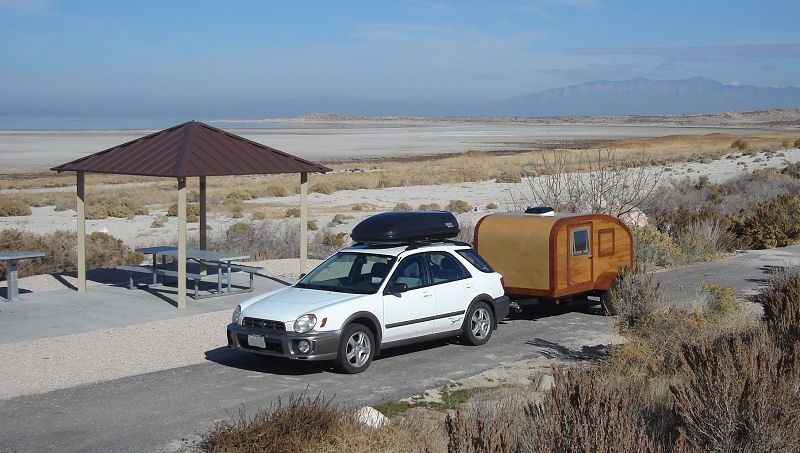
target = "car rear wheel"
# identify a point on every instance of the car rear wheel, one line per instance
(356, 350)
(478, 324)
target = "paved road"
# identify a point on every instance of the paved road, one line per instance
(154, 412)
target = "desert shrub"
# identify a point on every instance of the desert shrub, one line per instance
(362, 207)
(121, 207)
(238, 230)
(797, 143)
(237, 197)
(654, 327)
(282, 428)
(60, 248)
(192, 211)
(466, 230)
(458, 206)
(738, 394)
(774, 223)
(294, 426)
(720, 300)
(402, 206)
(106, 251)
(492, 205)
(339, 219)
(636, 297)
(509, 177)
(792, 170)
(63, 203)
(429, 207)
(258, 215)
(332, 239)
(747, 191)
(740, 144)
(260, 241)
(652, 248)
(326, 188)
(275, 191)
(49, 243)
(584, 413)
(311, 225)
(293, 212)
(10, 208)
(158, 222)
(476, 433)
(781, 302)
(703, 240)
(237, 211)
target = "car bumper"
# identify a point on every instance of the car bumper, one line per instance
(323, 345)
(501, 307)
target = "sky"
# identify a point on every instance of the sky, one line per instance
(260, 59)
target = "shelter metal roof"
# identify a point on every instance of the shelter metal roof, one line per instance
(192, 149)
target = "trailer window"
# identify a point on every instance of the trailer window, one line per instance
(580, 241)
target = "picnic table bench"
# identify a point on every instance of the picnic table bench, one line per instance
(219, 261)
(12, 275)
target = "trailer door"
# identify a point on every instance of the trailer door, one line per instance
(579, 256)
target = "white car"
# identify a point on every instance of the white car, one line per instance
(374, 296)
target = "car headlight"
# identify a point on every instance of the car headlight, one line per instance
(305, 323)
(237, 314)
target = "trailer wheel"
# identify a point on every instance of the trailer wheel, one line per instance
(607, 301)
(478, 325)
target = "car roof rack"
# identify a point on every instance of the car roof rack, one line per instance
(405, 227)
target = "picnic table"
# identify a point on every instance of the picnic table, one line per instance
(221, 262)
(12, 276)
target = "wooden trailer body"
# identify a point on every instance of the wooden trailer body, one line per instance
(554, 258)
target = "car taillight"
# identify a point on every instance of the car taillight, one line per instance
(502, 282)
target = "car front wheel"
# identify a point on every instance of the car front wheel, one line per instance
(356, 350)
(478, 324)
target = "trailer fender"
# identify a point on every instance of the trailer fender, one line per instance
(604, 280)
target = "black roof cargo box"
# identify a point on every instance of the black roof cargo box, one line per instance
(405, 226)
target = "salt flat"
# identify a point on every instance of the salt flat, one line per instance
(37, 151)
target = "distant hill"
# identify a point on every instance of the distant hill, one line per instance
(642, 96)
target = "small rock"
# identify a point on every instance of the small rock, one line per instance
(369, 416)
(544, 383)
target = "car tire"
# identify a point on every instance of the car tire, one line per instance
(478, 324)
(356, 349)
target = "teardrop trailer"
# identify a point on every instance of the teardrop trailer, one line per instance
(546, 257)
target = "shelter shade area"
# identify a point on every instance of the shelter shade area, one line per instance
(191, 149)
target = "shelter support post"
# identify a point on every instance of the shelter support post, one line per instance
(303, 222)
(203, 221)
(81, 208)
(181, 242)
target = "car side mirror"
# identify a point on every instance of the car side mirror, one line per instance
(396, 288)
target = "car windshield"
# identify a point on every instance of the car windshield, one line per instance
(348, 272)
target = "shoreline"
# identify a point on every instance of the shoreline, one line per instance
(332, 138)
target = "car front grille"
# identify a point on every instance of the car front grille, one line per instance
(264, 324)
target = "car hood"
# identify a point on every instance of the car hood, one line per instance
(288, 304)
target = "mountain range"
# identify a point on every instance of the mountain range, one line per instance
(641, 96)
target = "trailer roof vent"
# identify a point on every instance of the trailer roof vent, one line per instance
(544, 211)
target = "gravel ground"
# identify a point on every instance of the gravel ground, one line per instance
(66, 361)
